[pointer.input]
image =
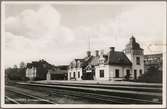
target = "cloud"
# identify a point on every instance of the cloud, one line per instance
(146, 22)
(36, 34)
(45, 22)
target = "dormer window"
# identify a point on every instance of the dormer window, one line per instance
(101, 60)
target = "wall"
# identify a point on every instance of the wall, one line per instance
(138, 67)
(71, 73)
(106, 72)
(122, 72)
(31, 73)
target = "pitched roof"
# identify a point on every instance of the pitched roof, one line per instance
(86, 61)
(118, 58)
(153, 55)
(95, 60)
(112, 58)
(62, 67)
(40, 63)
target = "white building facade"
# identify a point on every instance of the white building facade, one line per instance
(31, 73)
(75, 70)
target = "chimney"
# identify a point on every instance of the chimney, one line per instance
(88, 53)
(112, 49)
(97, 52)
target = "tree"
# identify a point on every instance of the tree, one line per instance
(15, 66)
(15, 73)
(22, 65)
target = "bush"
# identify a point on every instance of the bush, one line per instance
(153, 75)
(17, 74)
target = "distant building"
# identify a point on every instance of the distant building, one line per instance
(37, 70)
(153, 60)
(114, 65)
(42, 70)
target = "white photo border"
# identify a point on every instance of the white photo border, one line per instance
(3, 105)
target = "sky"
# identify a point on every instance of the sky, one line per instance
(60, 32)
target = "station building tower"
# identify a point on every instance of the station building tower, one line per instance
(136, 55)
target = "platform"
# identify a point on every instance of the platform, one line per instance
(97, 82)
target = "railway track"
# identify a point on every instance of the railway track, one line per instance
(9, 100)
(88, 93)
(108, 99)
(14, 97)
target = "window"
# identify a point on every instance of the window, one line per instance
(138, 60)
(74, 74)
(140, 71)
(78, 74)
(101, 73)
(135, 74)
(117, 73)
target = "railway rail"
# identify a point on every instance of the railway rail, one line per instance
(104, 98)
(9, 100)
(112, 97)
(14, 97)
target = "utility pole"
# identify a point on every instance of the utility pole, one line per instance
(88, 42)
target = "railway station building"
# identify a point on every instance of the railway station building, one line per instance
(113, 65)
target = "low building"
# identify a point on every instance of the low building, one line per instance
(114, 65)
(153, 60)
(58, 73)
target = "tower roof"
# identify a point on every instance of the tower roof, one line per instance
(133, 44)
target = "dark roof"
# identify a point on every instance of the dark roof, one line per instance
(86, 61)
(153, 55)
(112, 58)
(40, 63)
(33, 64)
(118, 58)
(115, 58)
(62, 67)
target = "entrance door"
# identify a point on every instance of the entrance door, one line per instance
(117, 73)
(87, 76)
(135, 74)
